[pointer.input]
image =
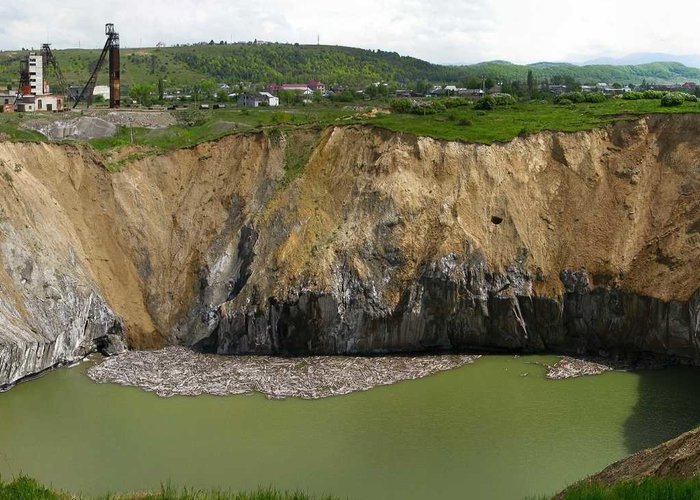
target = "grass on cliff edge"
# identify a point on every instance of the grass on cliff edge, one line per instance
(647, 489)
(462, 123)
(214, 124)
(25, 488)
(504, 123)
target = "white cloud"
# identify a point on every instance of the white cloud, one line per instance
(446, 32)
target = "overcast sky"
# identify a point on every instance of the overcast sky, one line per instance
(457, 31)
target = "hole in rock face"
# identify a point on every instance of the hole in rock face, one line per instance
(496, 219)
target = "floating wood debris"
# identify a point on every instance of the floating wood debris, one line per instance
(568, 367)
(177, 371)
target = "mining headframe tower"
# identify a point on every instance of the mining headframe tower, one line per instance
(111, 52)
(34, 93)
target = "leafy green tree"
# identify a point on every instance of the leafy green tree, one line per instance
(142, 93)
(422, 86)
(289, 97)
(472, 83)
(208, 88)
(222, 96)
(530, 83)
(161, 89)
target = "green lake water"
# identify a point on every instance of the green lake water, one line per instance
(481, 431)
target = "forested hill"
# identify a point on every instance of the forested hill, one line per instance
(265, 63)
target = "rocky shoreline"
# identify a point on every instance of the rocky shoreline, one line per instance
(177, 371)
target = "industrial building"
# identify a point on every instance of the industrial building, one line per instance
(35, 92)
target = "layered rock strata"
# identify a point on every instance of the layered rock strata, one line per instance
(585, 242)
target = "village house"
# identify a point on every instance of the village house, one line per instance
(257, 99)
(469, 92)
(31, 103)
(303, 88)
(316, 86)
(7, 101)
(553, 88)
(7, 97)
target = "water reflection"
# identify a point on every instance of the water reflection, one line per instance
(668, 404)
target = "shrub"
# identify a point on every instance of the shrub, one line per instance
(464, 122)
(653, 94)
(570, 97)
(690, 97)
(595, 97)
(417, 107)
(564, 102)
(401, 105)
(673, 99)
(191, 118)
(633, 95)
(486, 103)
(456, 102)
(503, 99)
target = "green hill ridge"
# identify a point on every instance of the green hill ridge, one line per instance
(183, 66)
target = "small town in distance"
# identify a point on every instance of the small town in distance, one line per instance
(42, 87)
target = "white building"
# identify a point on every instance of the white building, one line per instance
(7, 97)
(36, 74)
(37, 94)
(101, 90)
(29, 104)
(254, 100)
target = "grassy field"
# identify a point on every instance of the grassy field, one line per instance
(504, 123)
(214, 124)
(464, 123)
(648, 489)
(24, 488)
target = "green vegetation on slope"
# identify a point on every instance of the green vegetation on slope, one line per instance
(507, 122)
(449, 119)
(188, 66)
(464, 123)
(24, 488)
(659, 72)
(213, 125)
(647, 489)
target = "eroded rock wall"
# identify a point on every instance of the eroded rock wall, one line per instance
(87, 255)
(581, 242)
(568, 242)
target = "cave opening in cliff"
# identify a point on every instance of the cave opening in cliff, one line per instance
(496, 219)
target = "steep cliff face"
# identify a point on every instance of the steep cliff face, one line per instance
(567, 242)
(386, 242)
(86, 255)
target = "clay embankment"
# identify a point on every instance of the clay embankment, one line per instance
(583, 242)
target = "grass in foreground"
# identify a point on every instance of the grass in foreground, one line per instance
(647, 489)
(24, 488)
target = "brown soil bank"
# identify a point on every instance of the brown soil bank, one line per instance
(566, 242)
(678, 458)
